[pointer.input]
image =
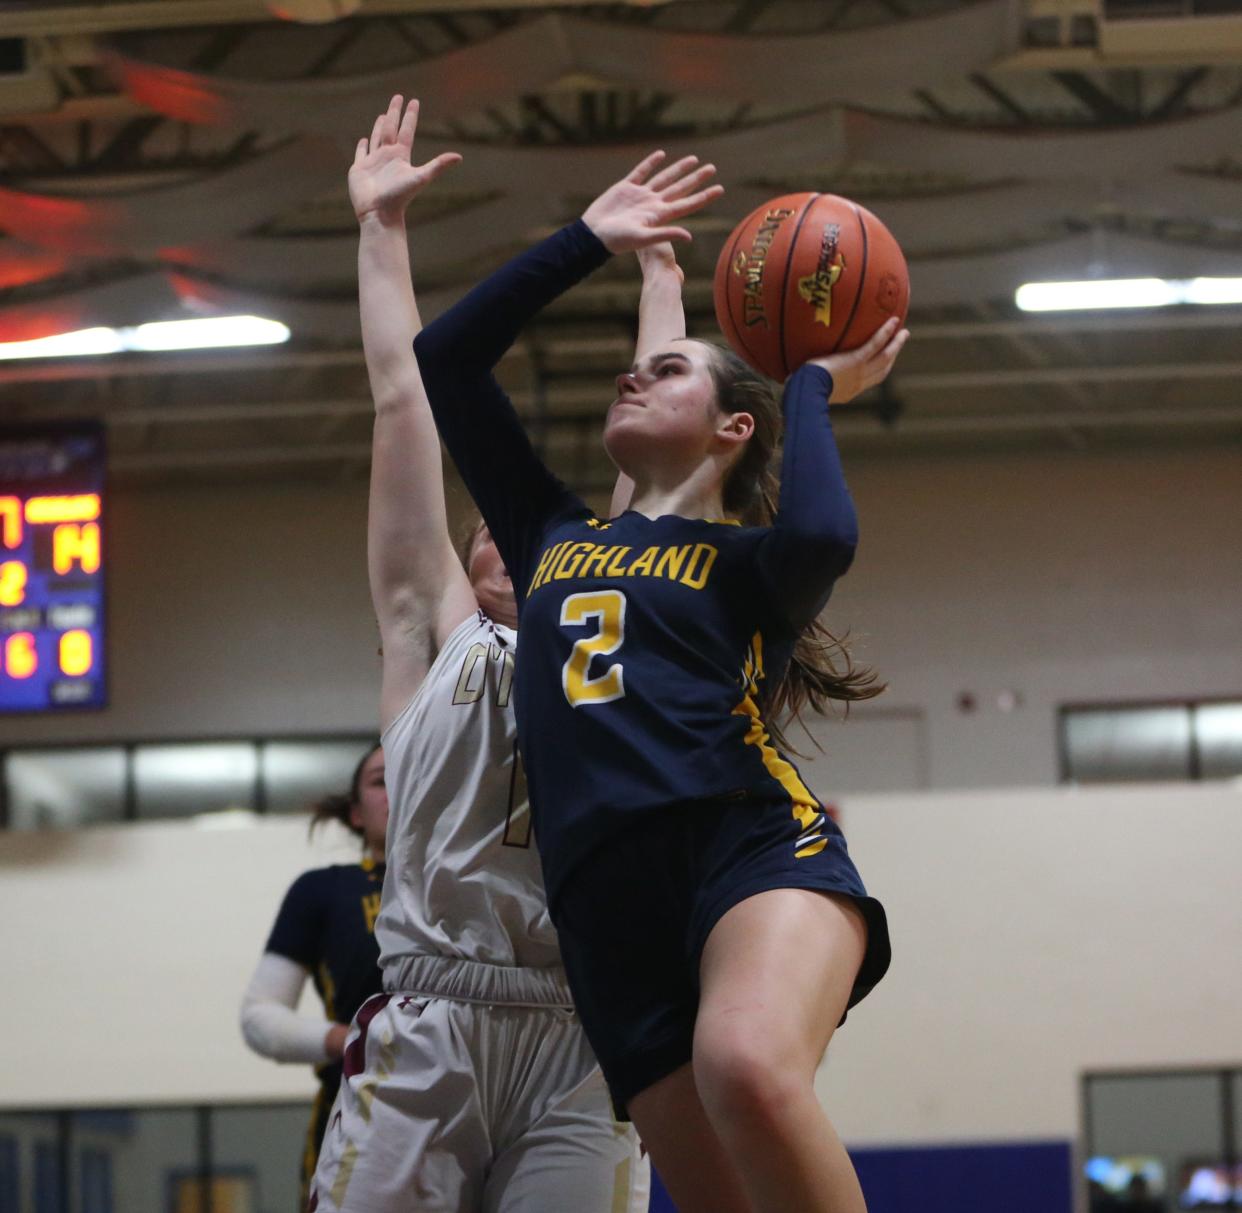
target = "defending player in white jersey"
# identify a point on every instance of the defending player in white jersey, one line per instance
(469, 1087)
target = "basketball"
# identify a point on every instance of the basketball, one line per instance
(806, 275)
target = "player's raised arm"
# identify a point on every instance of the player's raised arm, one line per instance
(661, 318)
(419, 590)
(816, 530)
(661, 315)
(456, 353)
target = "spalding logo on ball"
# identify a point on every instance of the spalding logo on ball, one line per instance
(806, 275)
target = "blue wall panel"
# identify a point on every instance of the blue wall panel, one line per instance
(1026, 1177)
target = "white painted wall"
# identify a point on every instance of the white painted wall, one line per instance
(129, 949)
(1035, 934)
(243, 608)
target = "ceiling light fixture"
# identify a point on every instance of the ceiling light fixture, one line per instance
(1105, 293)
(209, 333)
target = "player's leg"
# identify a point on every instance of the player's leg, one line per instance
(628, 957)
(407, 1131)
(777, 973)
(685, 1149)
(576, 1156)
(321, 1110)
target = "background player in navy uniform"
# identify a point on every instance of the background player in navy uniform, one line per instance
(324, 931)
(714, 927)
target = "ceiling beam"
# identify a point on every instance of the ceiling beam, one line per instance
(1055, 375)
(1002, 98)
(1173, 102)
(1102, 105)
(33, 18)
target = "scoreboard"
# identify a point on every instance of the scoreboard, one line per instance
(52, 569)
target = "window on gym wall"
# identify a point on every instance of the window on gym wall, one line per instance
(298, 773)
(1218, 733)
(203, 777)
(54, 788)
(153, 1160)
(10, 1184)
(62, 787)
(1143, 742)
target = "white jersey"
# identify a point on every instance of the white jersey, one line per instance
(463, 879)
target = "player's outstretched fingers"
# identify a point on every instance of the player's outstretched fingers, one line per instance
(392, 119)
(670, 173)
(689, 184)
(857, 370)
(887, 357)
(433, 168)
(876, 343)
(409, 123)
(644, 168)
(682, 207)
(377, 132)
(660, 235)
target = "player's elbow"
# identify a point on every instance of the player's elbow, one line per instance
(250, 1020)
(448, 368)
(829, 542)
(261, 1023)
(438, 351)
(834, 558)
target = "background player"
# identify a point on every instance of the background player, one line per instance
(708, 908)
(470, 1084)
(325, 930)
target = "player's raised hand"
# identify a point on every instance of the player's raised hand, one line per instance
(856, 370)
(643, 207)
(383, 179)
(656, 259)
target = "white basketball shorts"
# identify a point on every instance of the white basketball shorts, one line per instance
(450, 1106)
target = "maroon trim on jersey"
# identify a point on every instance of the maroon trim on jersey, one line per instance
(355, 1059)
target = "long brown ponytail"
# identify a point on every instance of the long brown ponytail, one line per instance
(821, 669)
(339, 806)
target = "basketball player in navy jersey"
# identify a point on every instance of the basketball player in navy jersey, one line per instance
(324, 931)
(714, 927)
(469, 1084)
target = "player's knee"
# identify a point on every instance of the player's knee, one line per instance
(748, 1084)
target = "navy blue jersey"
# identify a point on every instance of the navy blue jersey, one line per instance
(648, 646)
(326, 923)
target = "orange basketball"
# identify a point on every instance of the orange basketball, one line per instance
(806, 275)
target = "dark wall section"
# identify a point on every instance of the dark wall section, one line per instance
(1033, 1177)
(1030, 1177)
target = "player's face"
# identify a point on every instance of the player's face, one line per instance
(370, 811)
(490, 578)
(665, 409)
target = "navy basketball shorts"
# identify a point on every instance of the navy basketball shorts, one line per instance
(634, 914)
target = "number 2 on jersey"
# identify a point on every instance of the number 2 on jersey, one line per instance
(607, 607)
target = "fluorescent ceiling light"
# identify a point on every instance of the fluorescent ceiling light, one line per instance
(1105, 293)
(65, 345)
(207, 333)
(203, 334)
(1214, 290)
